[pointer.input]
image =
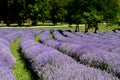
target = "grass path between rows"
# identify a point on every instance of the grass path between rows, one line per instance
(37, 37)
(21, 70)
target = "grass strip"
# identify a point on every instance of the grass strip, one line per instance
(21, 70)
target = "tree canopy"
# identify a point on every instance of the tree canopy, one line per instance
(88, 12)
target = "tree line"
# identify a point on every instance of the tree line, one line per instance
(88, 12)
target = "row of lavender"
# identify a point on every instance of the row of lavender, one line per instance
(7, 61)
(88, 49)
(50, 64)
(105, 49)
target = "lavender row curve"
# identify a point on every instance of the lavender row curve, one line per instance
(110, 44)
(7, 61)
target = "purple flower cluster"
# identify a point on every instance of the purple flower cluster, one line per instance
(47, 40)
(7, 61)
(12, 36)
(5, 73)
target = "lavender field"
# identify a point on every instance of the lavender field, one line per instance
(60, 54)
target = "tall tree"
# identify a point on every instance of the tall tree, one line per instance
(38, 10)
(92, 12)
(75, 10)
(57, 11)
(18, 9)
(34, 10)
(44, 11)
(5, 11)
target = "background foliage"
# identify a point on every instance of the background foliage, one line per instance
(88, 12)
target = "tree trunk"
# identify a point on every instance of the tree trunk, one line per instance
(34, 23)
(86, 28)
(77, 28)
(96, 27)
(55, 24)
(20, 23)
(8, 23)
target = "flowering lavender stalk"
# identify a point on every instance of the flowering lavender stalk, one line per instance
(7, 60)
(47, 40)
(5, 74)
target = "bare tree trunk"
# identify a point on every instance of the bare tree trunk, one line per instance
(86, 28)
(8, 23)
(77, 28)
(19, 22)
(96, 27)
(34, 23)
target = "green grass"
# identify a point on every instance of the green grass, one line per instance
(64, 26)
(37, 38)
(82, 27)
(108, 28)
(20, 70)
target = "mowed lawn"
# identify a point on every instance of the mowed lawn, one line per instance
(61, 26)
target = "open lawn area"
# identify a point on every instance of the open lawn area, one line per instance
(61, 26)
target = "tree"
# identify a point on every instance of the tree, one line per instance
(34, 11)
(11, 11)
(57, 11)
(75, 13)
(38, 10)
(44, 11)
(5, 11)
(18, 9)
(92, 12)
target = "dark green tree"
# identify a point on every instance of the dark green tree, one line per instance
(37, 10)
(57, 11)
(18, 9)
(5, 11)
(92, 12)
(75, 10)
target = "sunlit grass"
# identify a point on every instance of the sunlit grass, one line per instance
(64, 26)
(37, 38)
(20, 70)
(108, 28)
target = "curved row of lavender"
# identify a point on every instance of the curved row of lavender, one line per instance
(83, 51)
(107, 41)
(54, 65)
(4, 31)
(7, 61)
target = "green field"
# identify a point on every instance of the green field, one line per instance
(21, 70)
